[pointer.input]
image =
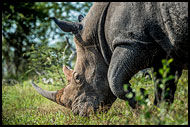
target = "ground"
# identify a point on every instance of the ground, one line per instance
(22, 105)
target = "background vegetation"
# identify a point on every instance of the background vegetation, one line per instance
(26, 27)
(33, 47)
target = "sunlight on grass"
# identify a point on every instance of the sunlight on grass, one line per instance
(22, 105)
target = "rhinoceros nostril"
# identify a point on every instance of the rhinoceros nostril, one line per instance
(58, 96)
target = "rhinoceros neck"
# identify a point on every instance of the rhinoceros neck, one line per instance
(93, 32)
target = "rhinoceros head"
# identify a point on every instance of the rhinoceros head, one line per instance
(87, 87)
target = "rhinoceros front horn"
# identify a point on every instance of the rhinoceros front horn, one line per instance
(67, 26)
(51, 95)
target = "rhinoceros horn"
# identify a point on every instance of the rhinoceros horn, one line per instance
(51, 95)
(67, 26)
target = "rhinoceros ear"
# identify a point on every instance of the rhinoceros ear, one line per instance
(68, 73)
(80, 18)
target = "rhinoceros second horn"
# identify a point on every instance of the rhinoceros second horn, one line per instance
(66, 26)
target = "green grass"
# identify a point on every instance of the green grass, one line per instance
(22, 105)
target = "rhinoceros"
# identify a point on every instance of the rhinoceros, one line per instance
(113, 42)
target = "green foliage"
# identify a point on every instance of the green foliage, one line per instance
(164, 114)
(27, 23)
(18, 22)
(165, 70)
(47, 62)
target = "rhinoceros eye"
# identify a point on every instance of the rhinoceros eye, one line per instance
(77, 77)
(80, 27)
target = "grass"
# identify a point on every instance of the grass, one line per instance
(22, 105)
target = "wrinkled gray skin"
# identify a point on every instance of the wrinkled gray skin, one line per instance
(115, 41)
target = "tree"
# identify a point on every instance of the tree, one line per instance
(27, 23)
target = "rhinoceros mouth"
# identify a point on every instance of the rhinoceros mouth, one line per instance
(84, 105)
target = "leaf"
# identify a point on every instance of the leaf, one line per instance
(161, 71)
(125, 87)
(12, 8)
(169, 61)
(147, 115)
(21, 15)
(169, 78)
(129, 95)
(29, 71)
(163, 61)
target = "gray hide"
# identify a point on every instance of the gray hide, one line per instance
(139, 34)
(115, 41)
